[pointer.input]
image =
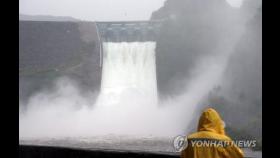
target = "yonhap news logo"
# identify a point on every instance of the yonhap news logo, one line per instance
(181, 142)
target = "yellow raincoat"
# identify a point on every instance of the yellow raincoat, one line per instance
(210, 127)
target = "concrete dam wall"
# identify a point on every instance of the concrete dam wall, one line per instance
(49, 50)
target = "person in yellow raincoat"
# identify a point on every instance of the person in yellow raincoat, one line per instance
(210, 127)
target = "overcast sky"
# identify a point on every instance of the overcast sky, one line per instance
(95, 10)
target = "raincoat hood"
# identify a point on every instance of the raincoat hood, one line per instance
(211, 127)
(211, 121)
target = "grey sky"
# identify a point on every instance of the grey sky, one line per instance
(96, 10)
(235, 3)
(93, 10)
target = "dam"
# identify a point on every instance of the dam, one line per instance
(124, 60)
(127, 51)
(49, 50)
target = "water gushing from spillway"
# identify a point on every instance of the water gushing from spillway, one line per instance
(129, 70)
(127, 102)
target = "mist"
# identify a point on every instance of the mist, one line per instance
(64, 110)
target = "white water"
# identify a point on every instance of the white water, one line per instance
(129, 70)
(127, 103)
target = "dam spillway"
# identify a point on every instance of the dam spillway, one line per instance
(127, 51)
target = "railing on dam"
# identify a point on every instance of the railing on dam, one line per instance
(128, 31)
(29, 151)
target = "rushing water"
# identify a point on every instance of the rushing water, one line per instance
(127, 103)
(128, 70)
